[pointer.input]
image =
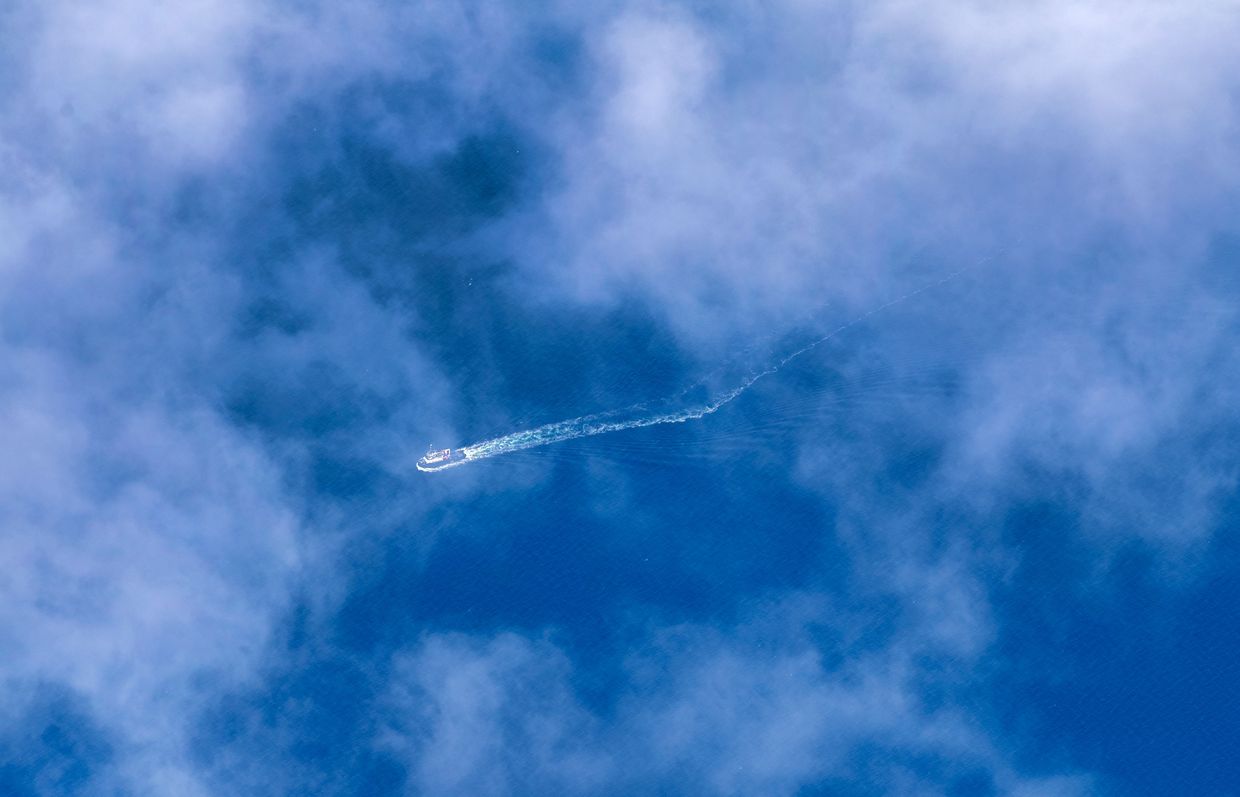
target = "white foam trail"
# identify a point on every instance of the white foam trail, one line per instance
(655, 413)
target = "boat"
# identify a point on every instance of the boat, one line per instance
(438, 459)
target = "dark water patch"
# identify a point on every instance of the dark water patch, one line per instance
(54, 747)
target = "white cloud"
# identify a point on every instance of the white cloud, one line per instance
(492, 716)
(164, 82)
(661, 68)
(151, 544)
(146, 547)
(1114, 389)
(740, 168)
(753, 709)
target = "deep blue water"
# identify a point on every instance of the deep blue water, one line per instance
(984, 540)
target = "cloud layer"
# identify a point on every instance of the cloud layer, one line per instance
(254, 255)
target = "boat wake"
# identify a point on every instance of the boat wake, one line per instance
(689, 405)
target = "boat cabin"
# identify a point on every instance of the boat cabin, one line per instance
(437, 456)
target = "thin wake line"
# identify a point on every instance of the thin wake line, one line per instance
(618, 420)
